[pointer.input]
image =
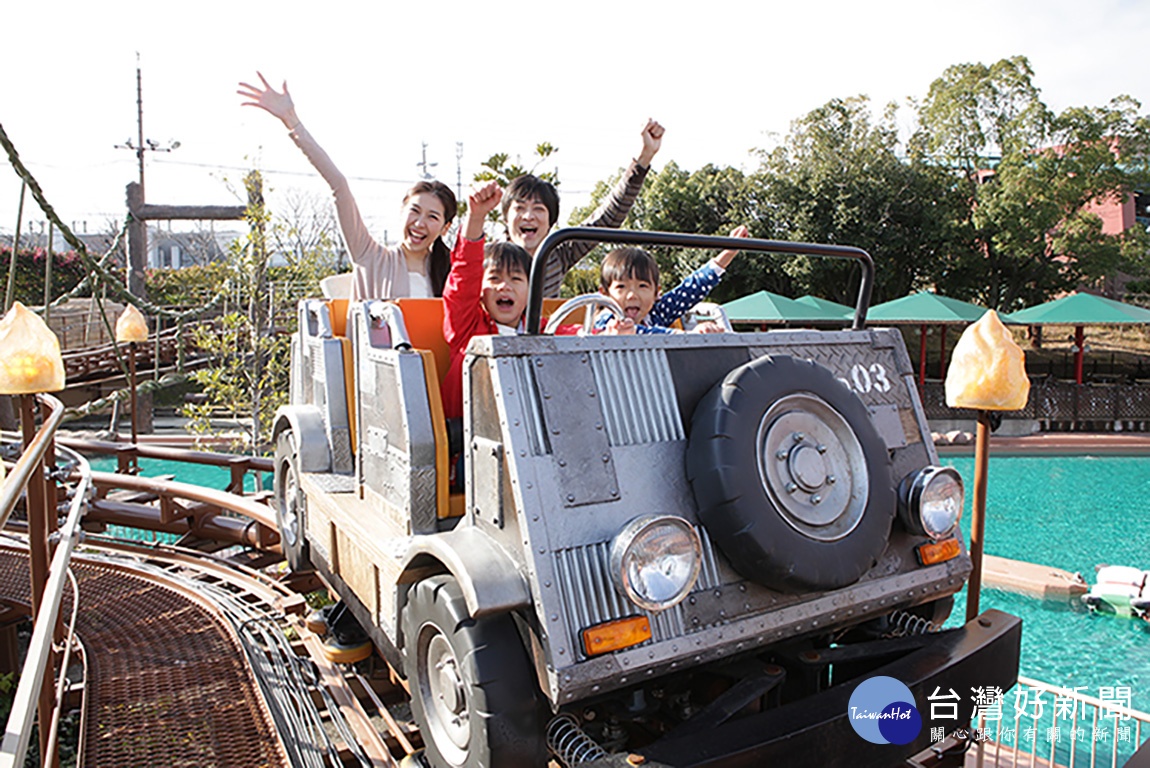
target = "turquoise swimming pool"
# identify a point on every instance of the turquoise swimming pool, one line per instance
(1073, 513)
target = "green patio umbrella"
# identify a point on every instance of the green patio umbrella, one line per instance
(1081, 309)
(923, 309)
(765, 307)
(833, 310)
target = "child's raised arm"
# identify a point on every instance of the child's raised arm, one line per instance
(481, 202)
(726, 257)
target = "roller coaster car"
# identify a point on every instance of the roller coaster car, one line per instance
(689, 548)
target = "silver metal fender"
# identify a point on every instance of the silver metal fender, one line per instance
(490, 580)
(306, 422)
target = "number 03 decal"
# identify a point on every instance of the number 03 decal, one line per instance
(865, 378)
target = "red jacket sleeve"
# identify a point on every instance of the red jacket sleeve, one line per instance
(462, 310)
(463, 317)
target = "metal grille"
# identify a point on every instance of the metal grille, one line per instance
(167, 683)
(590, 597)
(637, 396)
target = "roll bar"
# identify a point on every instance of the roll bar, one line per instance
(681, 240)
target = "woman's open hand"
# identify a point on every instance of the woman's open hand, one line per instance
(270, 100)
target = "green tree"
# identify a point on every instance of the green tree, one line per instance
(1030, 178)
(841, 177)
(709, 201)
(499, 168)
(250, 346)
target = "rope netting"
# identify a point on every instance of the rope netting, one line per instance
(99, 283)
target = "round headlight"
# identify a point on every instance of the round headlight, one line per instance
(655, 560)
(931, 501)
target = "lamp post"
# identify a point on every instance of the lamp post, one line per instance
(987, 373)
(131, 329)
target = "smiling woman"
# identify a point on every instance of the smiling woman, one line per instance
(418, 266)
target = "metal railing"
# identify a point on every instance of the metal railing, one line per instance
(39, 689)
(1051, 726)
(1063, 405)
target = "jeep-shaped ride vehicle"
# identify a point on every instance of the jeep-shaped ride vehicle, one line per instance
(671, 550)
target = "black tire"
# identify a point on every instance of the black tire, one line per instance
(473, 689)
(791, 478)
(291, 504)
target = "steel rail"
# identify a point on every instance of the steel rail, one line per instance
(267, 535)
(30, 458)
(167, 453)
(678, 240)
(19, 728)
(62, 678)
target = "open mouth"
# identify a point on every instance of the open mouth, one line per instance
(631, 312)
(505, 303)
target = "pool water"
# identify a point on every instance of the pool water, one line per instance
(1073, 513)
(194, 474)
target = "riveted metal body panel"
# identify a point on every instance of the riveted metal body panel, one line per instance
(320, 360)
(574, 427)
(566, 547)
(396, 453)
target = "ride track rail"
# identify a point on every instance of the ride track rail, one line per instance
(189, 660)
(236, 663)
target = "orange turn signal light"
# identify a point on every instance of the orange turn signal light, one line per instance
(934, 552)
(621, 633)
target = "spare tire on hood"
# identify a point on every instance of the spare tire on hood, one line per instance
(790, 476)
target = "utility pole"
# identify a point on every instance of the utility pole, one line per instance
(138, 229)
(426, 165)
(459, 170)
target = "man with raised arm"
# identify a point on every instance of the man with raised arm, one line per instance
(531, 207)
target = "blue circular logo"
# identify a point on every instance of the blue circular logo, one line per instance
(882, 711)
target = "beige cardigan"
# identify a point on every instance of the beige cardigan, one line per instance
(379, 272)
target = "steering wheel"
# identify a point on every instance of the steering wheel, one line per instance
(593, 302)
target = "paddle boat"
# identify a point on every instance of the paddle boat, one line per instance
(1122, 590)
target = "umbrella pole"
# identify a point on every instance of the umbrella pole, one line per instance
(942, 354)
(921, 357)
(1080, 345)
(978, 513)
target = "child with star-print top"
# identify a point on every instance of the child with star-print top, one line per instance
(631, 277)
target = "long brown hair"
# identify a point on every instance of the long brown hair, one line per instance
(439, 259)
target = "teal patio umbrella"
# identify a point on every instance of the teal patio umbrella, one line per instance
(833, 310)
(923, 309)
(766, 308)
(1081, 309)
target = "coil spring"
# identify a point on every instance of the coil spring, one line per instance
(570, 744)
(904, 623)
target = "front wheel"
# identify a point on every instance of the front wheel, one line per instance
(290, 503)
(473, 692)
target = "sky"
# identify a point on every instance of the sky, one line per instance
(374, 81)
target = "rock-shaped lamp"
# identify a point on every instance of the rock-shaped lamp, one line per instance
(987, 370)
(30, 359)
(131, 326)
